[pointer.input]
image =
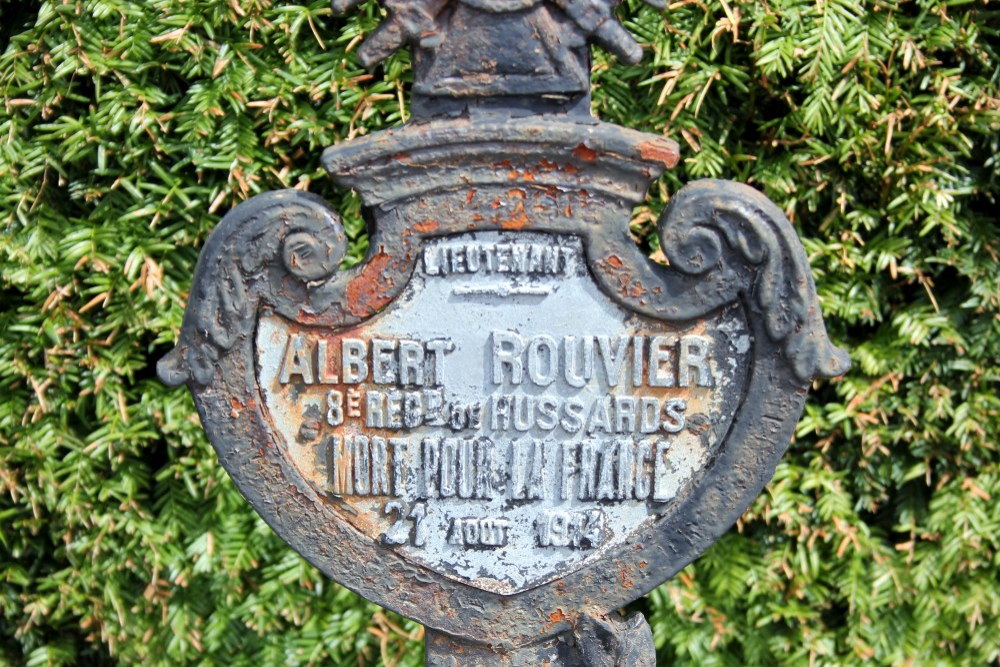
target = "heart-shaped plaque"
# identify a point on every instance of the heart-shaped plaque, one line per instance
(507, 422)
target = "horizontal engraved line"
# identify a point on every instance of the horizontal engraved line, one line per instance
(503, 290)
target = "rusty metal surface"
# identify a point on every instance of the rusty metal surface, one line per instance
(605, 641)
(513, 443)
(507, 422)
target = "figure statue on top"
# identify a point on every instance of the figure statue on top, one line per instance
(473, 49)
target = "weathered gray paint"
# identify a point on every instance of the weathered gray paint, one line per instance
(499, 241)
(471, 313)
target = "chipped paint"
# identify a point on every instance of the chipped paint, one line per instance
(463, 308)
(661, 150)
(367, 292)
(309, 378)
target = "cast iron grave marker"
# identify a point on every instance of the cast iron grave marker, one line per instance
(507, 422)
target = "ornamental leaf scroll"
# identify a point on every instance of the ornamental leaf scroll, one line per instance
(268, 251)
(711, 227)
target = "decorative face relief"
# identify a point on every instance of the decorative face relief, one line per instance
(503, 421)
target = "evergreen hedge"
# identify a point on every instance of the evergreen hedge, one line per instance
(128, 127)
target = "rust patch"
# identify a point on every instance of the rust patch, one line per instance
(518, 218)
(551, 190)
(699, 424)
(366, 294)
(628, 287)
(469, 196)
(237, 407)
(426, 226)
(402, 156)
(661, 151)
(584, 153)
(515, 222)
(558, 616)
(623, 575)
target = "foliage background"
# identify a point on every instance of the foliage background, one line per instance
(129, 126)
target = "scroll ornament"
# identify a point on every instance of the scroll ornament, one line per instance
(506, 422)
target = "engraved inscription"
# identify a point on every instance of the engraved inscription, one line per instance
(408, 525)
(558, 528)
(503, 421)
(483, 533)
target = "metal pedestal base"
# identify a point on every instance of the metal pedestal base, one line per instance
(593, 642)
